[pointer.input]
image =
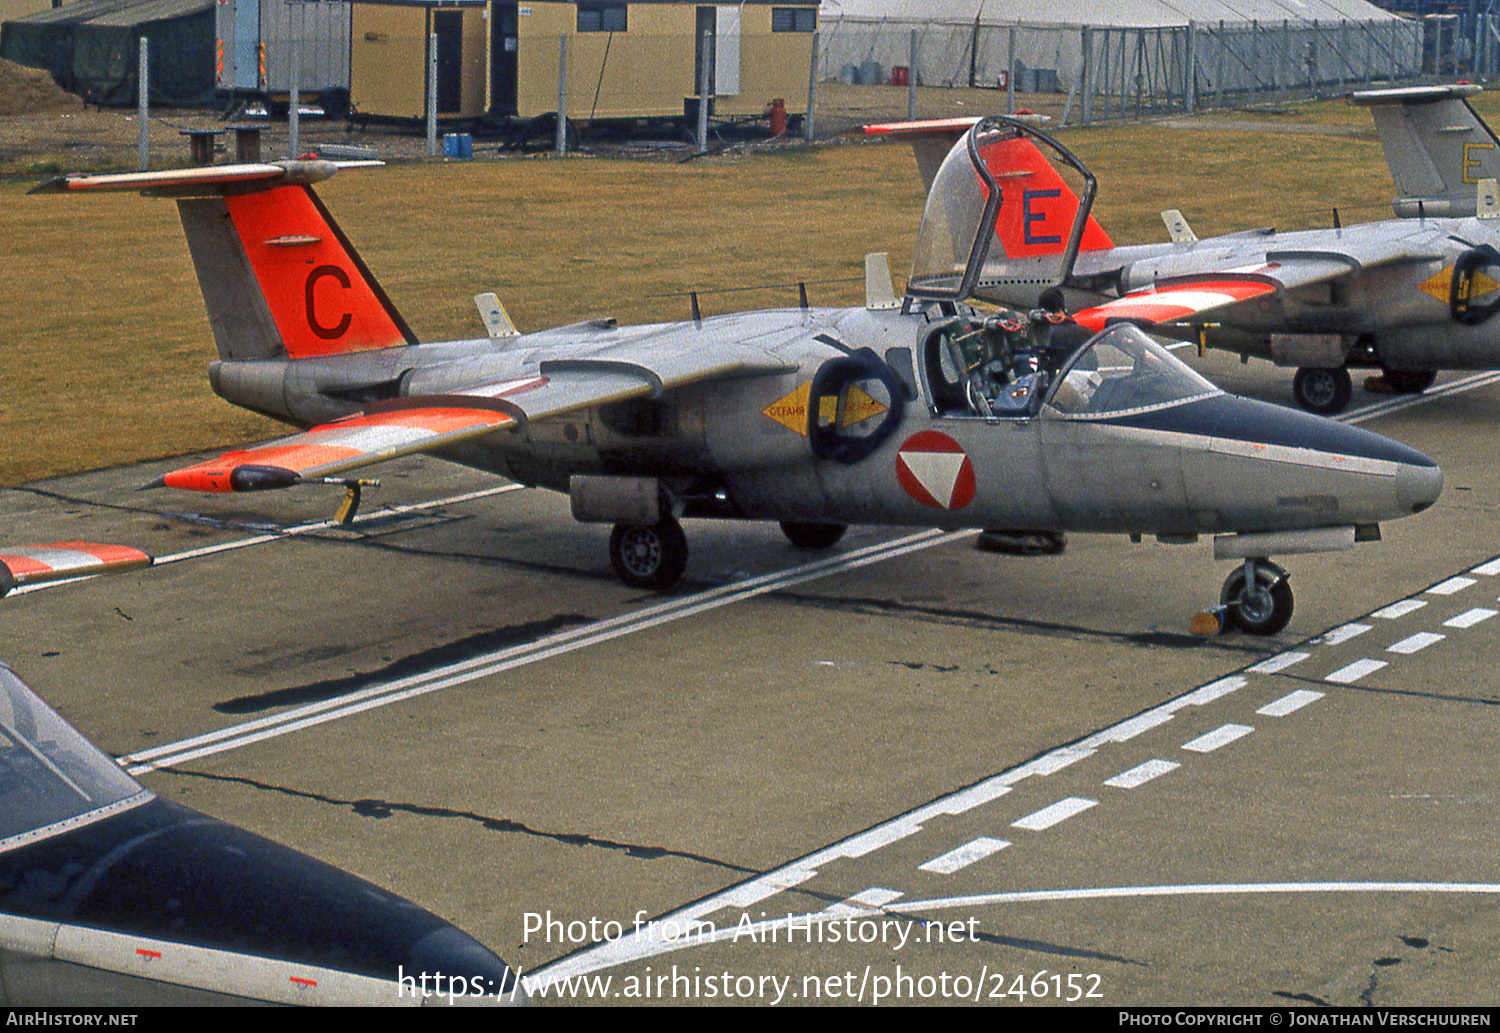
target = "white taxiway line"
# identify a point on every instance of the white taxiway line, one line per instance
(650, 944)
(482, 666)
(1141, 774)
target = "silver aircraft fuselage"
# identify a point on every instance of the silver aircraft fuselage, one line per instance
(1213, 463)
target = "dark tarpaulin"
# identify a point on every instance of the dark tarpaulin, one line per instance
(91, 48)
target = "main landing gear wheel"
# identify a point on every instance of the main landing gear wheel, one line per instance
(1265, 607)
(813, 536)
(1324, 391)
(649, 555)
(1410, 381)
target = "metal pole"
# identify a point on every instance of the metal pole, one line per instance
(812, 91)
(1189, 58)
(1219, 74)
(143, 105)
(911, 80)
(1085, 80)
(432, 74)
(1010, 71)
(703, 41)
(560, 142)
(294, 116)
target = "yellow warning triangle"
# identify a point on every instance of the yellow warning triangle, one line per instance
(791, 409)
(1440, 285)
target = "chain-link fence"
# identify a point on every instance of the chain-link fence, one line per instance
(1108, 72)
(637, 91)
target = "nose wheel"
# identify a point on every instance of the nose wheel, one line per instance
(649, 555)
(1256, 598)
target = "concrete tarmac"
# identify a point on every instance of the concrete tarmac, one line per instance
(1005, 779)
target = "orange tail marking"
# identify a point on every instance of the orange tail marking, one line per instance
(323, 298)
(1037, 205)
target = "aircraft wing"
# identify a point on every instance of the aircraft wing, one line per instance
(1178, 298)
(29, 564)
(422, 423)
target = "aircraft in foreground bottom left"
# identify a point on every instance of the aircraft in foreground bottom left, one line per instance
(110, 896)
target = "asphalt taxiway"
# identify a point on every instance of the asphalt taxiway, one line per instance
(1005, 779)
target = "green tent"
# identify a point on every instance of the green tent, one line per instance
(91, 48)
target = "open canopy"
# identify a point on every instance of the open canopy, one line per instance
(1001, 222)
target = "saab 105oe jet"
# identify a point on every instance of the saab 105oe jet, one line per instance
(1408, 296)
(817, 418)
(112, 896)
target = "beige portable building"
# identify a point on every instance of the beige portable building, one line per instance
(625, 60)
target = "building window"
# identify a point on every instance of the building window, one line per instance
(601, 17)
(794, 19)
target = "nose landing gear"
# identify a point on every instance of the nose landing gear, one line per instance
(1256, 598)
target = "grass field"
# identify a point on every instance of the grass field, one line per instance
(105, 345)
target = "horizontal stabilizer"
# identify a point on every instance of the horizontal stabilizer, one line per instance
(201, 181)
(31, 564)
(931, 140)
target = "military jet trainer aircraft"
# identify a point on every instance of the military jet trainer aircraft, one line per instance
(1409, 296)
(112, 896)
(817, 418)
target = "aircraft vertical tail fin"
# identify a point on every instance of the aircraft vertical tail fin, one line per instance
(278, 276)
(1437, 147)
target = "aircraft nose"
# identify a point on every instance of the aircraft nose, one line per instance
(1418, 487)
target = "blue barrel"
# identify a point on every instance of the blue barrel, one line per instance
(458, 145)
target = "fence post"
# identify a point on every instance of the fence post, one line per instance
(560, 139)
(703, 39)
(911, 80)
(1219, 74)
(1189, 63)
(1286, 56)
(432, 71)
(143, 105)
(1085, 78)
(1010, 71)
(812, 90)
(294, 116)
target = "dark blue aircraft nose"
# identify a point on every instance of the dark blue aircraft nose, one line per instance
(192, 891)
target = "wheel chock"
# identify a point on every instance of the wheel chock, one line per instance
(1208, 622)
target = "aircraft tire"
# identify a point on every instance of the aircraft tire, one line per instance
(649, 555)
(813, 536)
(1410, 381)
(1265, 612)
(1323, 390)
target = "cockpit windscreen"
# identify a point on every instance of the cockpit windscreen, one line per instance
(48, 772)
(1120, 371)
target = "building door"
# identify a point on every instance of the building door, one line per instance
(504, 30)
(448, 27)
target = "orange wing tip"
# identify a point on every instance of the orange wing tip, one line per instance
(34, 563)
(215, 477)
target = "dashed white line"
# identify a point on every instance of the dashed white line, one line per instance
(1221, 736)
(1469, 618)
(1414, 643)
(1343, 633)
(1061, 811)
(1400, 609)
(1488, 569)
(1292, 701)
(1355, 671)
(872, 899)
(962, 857)
(1279, 662)
(767, 886)
(1141, 774)
(1452, 585)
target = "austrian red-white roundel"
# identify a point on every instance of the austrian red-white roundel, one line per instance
(935, 471)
